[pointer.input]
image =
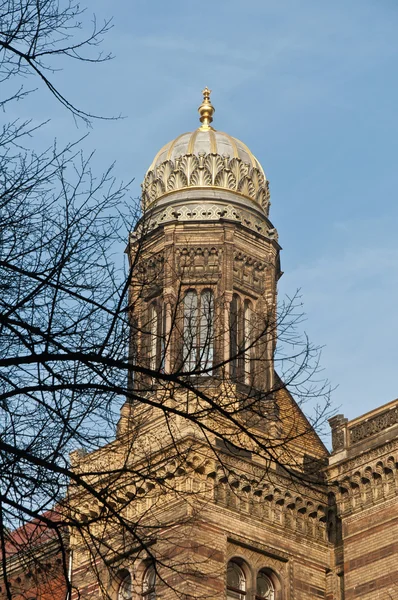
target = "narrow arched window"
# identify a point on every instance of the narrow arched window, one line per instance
(163, 333)
(234, 339)
(190, 333)
(125, 587)
(264, 587)
(198, 333)
(248, 341)
(149, 584)
(206, 330)
(236, 582)
(153, 319)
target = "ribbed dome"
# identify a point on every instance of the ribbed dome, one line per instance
(208, 141)
(205, 158)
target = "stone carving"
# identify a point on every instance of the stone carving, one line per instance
(197, 260)
(206, 170)
(367, 457)
(209, 212)
(371, 483)
(255, 552)
(374, 425)
(270, 503)
(249, 271)
(337, 439)
(149, 272)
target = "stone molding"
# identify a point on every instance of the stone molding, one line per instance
(366, 480)
(206, 170)
(272, 500)
(373, 425)
(206, 211)
(197, 260)
(241, 541)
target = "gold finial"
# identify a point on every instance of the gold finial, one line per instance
(206, 111)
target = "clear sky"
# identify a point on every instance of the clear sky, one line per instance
(312, 88)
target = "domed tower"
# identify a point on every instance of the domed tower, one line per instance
(205, 262)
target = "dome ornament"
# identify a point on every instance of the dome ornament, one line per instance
(206, 111)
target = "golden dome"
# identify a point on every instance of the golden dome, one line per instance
(205, 158)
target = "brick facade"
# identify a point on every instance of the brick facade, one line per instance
(313, 524)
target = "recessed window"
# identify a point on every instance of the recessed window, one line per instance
(264, 587)
(156, 330)
(198, 337)
(241, 348)
(125, 587)
(149, 584)
(236, 582)
(248, 340)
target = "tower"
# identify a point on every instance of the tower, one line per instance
(205, 262)
(204, 265)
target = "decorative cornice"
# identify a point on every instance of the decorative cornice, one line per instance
(207, 211)
(365, 480)
(206, 170)
(373, 425)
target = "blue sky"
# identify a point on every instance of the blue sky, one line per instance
(312, 88)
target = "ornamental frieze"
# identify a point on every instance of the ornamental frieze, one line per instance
(197, 260)
(374, 425)
(248, 270)
(366, 458)
(209, 212)
(206, 170)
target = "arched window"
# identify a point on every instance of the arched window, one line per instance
(153, 319)
(149, 584)
(156, 332)
(163, 333)
(234, 339)
(248, 341)
(206, 330)
(264, 587)
(198, 335)
(236, 582)
(125, 587)
(190, 330)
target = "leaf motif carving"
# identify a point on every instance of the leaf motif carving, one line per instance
(207, 170)
(238, 168)
(165, 170)
(149, 178)
(214, 163)
(176, 181)
(188, 165)
(257, 178)
(226, 179)
(145, 199)
(246, 187)
(201, 177)
(262, 198)
(156, 189)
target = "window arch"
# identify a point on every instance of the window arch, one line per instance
(198, 330)
(241, 349)
(149, 584)
(125, 591)
(236, 582)
(156, 333)
(190, 330)
(264, 587)
(234, 340)
(248, 341)
(153, 323)
(206, 329)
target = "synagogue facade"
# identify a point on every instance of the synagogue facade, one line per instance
(234, 496)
